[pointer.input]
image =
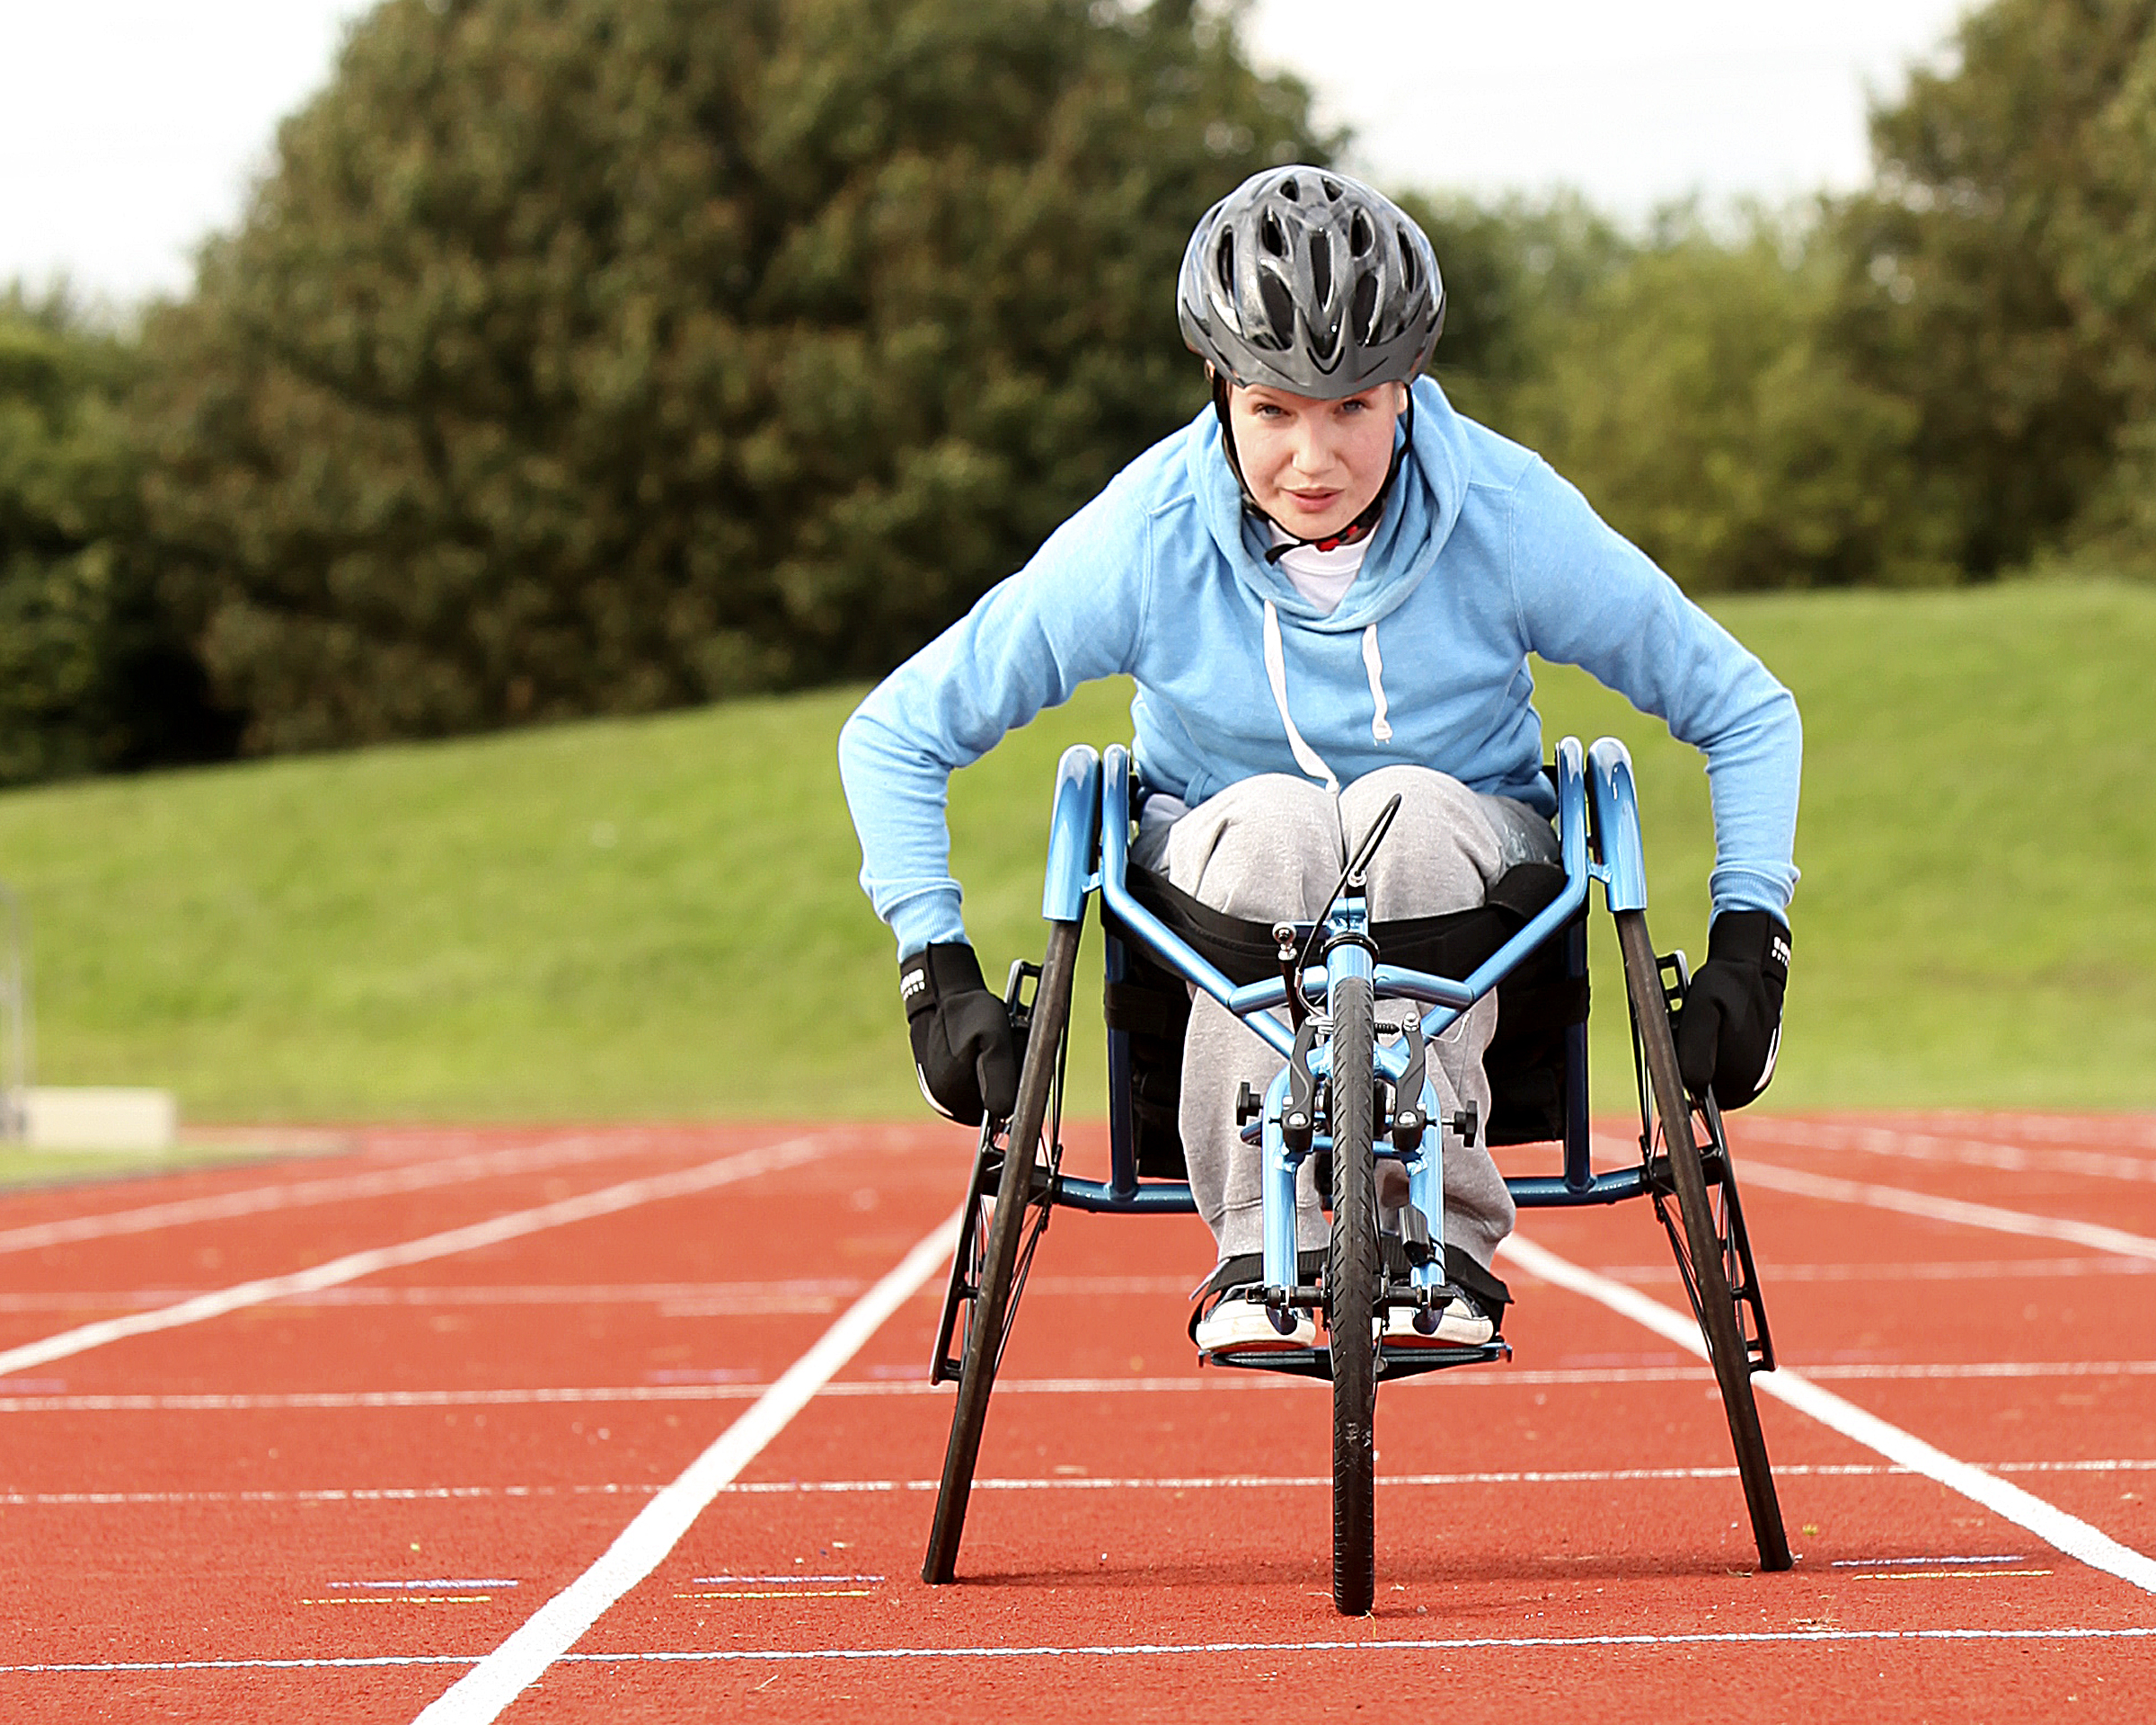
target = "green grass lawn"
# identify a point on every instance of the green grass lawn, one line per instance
(1978, 840)
(659, 917)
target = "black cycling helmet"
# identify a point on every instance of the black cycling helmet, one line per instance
(1309, 281)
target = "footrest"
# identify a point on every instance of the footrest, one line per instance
(1393, 1361)
(1292, 1362)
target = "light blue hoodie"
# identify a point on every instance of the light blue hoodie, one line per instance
(1484, 555)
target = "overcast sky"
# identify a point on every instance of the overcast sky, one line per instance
(129, 129)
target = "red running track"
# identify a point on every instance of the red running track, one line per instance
(336, 1503)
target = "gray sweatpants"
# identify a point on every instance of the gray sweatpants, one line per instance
(1270, 849)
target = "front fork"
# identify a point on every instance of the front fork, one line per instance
(1289, 1137)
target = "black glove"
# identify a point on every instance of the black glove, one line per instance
(964, 1054)
(1731, 1029)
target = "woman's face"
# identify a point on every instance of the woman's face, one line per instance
(1312, 465)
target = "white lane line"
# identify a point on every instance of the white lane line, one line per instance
(1895, 1563)
(513, 1226)
(877, 1389)
(805, 1294)
(357, 1662)
(2138, 1130)
(1526, 1476)
(2095, 1236)
(362, 1494)
(1961, 1270)
(671, 1299)
(481, 1694)
(311, 1400)
(794, 1581)
(1142, 1649)
(1966, 1151)
(218, 1207)
(1583, 1476)
(2068, 1533)
(1460, 1644)
(2108, 1131)
(324, 1494)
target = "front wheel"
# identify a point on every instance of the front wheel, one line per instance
(1351, 1295)
(1663, 1085)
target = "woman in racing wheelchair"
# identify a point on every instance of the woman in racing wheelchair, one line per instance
(1326, 588)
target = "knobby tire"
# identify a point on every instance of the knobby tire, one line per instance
(1351, 1291)
(1718, 1307)
(985, 1328)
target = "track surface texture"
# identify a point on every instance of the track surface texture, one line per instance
(416, 1457)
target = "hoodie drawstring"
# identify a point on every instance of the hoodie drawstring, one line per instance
(1276, 674)
(1381, 727)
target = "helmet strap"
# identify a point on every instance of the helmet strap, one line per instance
(1361, 528)
(1227, 440)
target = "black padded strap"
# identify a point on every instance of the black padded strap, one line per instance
(1539, 1001)
(1480, 1285)
(1555, 1001)
(1244, 951)
(1451, 945)
(1144, 1011)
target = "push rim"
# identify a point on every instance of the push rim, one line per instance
(1666, 1117)
(987, 1323)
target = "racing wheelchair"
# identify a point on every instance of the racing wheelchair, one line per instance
(1361, 1002)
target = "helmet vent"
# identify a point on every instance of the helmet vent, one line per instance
(1332, 189)
(1292, 191)
(1360, 237)
(1406, 262)
(1224, 261)
(1279, 313)
(1320, 267)
(1364, 310)
(1272, 236)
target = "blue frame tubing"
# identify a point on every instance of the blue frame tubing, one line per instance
(1088, 852)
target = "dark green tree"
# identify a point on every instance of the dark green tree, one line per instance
(1519, 272)
(1999, 266)
(2109, 235)
(604, 355)
(1692, 392)
(93, 674)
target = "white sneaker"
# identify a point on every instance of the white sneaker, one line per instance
(1460, 1325)
(1240, 1326)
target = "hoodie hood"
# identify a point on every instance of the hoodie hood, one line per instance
(1134, 585)
(1420, 518)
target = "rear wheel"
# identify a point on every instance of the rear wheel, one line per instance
(987, 1319)
(1704, 1254)
(1351, 1292)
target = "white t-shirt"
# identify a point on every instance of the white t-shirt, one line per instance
(1321, 577)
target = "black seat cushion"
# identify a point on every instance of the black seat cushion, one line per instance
(1537, 1003)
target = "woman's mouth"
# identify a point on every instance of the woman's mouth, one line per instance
(1314, 503)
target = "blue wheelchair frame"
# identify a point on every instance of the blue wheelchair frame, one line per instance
(1599, 837)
